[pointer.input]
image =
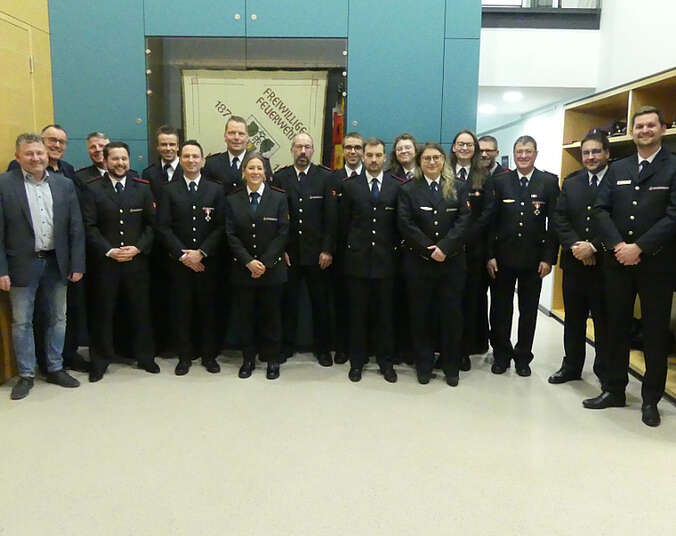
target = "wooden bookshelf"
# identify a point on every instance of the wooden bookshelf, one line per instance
(600, 111)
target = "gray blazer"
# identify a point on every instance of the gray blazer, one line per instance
(17, 237)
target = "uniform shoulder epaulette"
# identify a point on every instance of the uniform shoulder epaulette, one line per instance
(237, 190)
(94, 179)
(325, 168)
(348, 177)
(402, 180)
(284, 168)
(81, 169)
(276, 188)
(211, 155)
(217, 181)
(139, 179)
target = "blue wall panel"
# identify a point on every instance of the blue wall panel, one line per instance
(98, 67)
(461, 89)
(394, 69)
(206, 18)
(463, 18)
(297, 18)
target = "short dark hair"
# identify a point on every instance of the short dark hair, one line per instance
(194, 143)
(115, 145)
(28, 137)
(236, 119)
(525, 139)
(96, 134)
(353, 135)
(644, 110)
(54, 125)
(251, 156)
(167, 130)
(374, 141)
(597, 135)
(490, 139)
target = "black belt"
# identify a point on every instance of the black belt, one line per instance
(44, 253)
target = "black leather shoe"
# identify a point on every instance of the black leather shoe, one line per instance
(389, 374)
(22, 388)
(562, 376)
(149, 366)
(465, 363)
(649, 415)
(452, 380)
(497, 368)
(246, 369)
(211, 365)
(605, 400)
(354, 374)
(425, 377)
(340, 358)
(324, 359)
(523, 371)
(75, 361)
(62, 378)
(183, 367)
(272, 372)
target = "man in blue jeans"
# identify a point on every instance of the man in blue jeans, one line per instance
(42, 246)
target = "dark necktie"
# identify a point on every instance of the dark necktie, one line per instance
(643, 165)
(435, 191)
(409, 174)
(254, 200)
(302, 181)
(463, 174)
(119, 187)
(165, 172)
(524, 184)
(375, 191)
(354, 173)
(594, 182)
(235, 162)
(193, 188)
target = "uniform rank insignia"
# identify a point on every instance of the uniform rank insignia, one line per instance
(207, 213)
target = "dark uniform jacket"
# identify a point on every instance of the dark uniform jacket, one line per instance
(370, 227)
(114, 220)
(499, 170)
(87, 173)
(219, 168)
(155, 174)
(640, 209)
(573, 218)
(521, 233)
(259, 235)
(424, 222)
(312, 213)
(187, 222)
(477, 233)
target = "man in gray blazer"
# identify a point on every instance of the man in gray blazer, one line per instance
(42, 246)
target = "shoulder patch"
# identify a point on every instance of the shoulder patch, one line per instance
(402, 180)
(324, 167)
(94, 179)
(137, 179)
(275, 188)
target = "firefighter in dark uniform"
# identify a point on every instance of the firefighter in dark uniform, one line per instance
(582, 259)
(190, 223)
(433, 217)
(257, 228)
(636, 213)
(368, 217)
(119, 214)
(522, 246)
(313, 220)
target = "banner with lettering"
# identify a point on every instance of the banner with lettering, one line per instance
(277, 105)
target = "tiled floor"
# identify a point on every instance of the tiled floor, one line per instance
(312, 454)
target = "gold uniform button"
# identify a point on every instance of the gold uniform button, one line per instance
(194, 239)
(522, 203)
(435, 211)
(300, 232)
(520, 224)
(253, 225)
(194, 218)
(588, 207)
(630, 233)
(521, 213)
(194, 207)
(634, 203)
(373, 243)
(300, 199)
(254, 246)
(373, 231)
(637, 187)
(121, 232)
(121, 211)
(632, 218)
(253, 236)
(374, 220)
(300, 210)
(436, 234)
(121, 222)
(122, 243)
(300, 221)
(586, 229)
(436, 223)
(519, 235)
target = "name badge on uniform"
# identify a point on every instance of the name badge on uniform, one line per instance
(623, 183)
(478, 193)
(389, 208)
(207, 213)
(426, 208)
(132, 210)
(451, 210)
(658, 188)
(316, 197)
(508, 200)
(534, 195)
(536, 206)
(265, 218)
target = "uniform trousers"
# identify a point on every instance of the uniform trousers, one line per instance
(435, 305)
(655, 291)
(260, 321)
(318, 287)
(475, 307)
(403, 351)
(160, 299)
(502, 310)
(371, 313)
(583, 293)
(195, 328)
(108, 284)
(339, 286)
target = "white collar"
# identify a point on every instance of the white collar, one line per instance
(239, 157)
(430, 181)
(260, 190)
(114, 181)
(527, 176)
(196, 181)
(358, 171)
(599, 175)
(378, 177)
(173, 164)
(299, 171)
(650, 158)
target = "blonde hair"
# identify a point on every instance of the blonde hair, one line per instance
(447, 176)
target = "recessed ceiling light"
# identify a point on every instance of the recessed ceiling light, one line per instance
(512, 96)
(487, 109)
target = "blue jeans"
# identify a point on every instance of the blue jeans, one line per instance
(45, 278)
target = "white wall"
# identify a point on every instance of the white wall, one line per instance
(638, 39)
(547, 129)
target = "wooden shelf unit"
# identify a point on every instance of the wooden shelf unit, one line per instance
(599, 111)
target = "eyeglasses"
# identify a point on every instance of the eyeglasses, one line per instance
(524, 152)
(350, 148)
(592, 152)
(432, 158)
(464, 144)
(53, 140)
(306, 147)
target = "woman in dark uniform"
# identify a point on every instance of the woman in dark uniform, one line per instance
(257, 227)
(433, 217)
(465, 162)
